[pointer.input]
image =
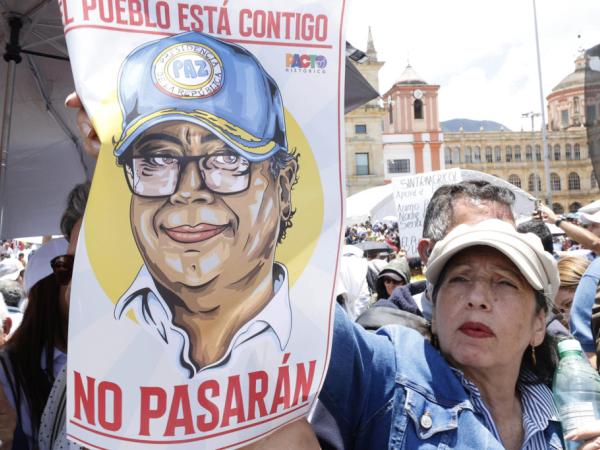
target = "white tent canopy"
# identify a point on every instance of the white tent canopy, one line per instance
(590, 208)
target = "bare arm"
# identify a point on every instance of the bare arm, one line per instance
(586, 238)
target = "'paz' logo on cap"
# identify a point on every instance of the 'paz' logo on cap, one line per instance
(188, 70)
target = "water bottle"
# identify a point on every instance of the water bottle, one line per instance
(576, 389)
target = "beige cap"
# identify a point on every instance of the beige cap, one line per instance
(525, 250)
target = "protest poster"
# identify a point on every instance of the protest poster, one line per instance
(412, 194)
(201, 307)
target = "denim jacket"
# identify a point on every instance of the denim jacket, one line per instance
(583, 301)
(394, 390)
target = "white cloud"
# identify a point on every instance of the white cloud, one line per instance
(482, 53)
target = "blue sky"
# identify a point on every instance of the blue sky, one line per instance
(482, 53)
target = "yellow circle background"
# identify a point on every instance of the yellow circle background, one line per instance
(110, 245)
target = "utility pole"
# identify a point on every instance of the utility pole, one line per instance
(533, 115)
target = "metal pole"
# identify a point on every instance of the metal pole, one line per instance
(12, 57)
(543, 110)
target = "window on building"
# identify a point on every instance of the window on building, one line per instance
(564, 118)
(489, 156)
(360, 128)
(497, 153)
(593, 181)
(477, 154)
(556, 152)
(390, 111)
(362, 163)
(549, 151)
(574, 207)
(576, 105)
(568, 153)
(528, 153)
(554, 182)
(508, 153)
(456, 155)
(558, 208)
(534, 183)
(590, 115)
(538, 153)
(447, 155)
(574, 182)
(515, 180)
(517, 153)
(576, 152)
(398, 165)
(418, 109)
(468, 155)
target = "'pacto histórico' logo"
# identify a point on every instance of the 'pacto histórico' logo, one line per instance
(188, 70)
(305, 63)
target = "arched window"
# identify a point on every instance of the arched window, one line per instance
(557, 208)
(456, 155)
(515, 180)
(447, 155)
(576, 152)
(468, 155)
(528, 153)
(508, 153)
(568, 154)
(593, 181)
(574, 207)
(517, 153)
(554, 182)
(574, 182)
(477, 154)
(538, 153)
(489, 157)
(534, 183)
(556, 152)
(549, 151)
(418, 109)
(497, 153)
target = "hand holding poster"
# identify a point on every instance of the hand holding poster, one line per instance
(201, 303)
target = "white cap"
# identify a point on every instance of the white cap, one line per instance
(38, 266)
(590, 218)
(10, 268)
(525, 250)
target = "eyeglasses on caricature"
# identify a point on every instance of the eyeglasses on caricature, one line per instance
(62, 266)
(160, 175)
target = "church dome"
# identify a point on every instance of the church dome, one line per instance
(409, 76)
(583, 75)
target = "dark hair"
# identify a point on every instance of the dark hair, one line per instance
(40, 331)
(76, 202)
(439, 213)
(541, 230)
(546, 357)
(12, 291)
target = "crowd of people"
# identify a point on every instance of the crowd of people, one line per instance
(454, 347)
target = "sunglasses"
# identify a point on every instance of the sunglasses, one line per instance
(62, 266)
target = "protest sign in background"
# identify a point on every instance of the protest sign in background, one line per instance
(202, 295)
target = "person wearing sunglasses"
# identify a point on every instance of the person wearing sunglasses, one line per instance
(210, 175)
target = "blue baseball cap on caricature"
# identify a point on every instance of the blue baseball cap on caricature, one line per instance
(196, 78)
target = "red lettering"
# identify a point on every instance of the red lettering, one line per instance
(288, 16)
(120, 10)
(106, 11)
(210, 10)
(181, 402)
(282, 389)
(201, 423)
(258, 23)
(321, 28)
(163, 16)
(182, 14)
(66, 19)
(305, 61)
(195, 13)
(135, 13)
(87, 6)
(234, 404)
(273, 24)
(303, 382)
(256, 397)
(149, 22)
(245, 13)
(307, 28)
(85, 398)
(298, 17)
(223, 26)
(147, 412)
(117, 406)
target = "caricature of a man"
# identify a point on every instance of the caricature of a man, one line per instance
(205, 155)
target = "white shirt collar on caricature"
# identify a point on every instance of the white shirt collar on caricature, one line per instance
(156, 317)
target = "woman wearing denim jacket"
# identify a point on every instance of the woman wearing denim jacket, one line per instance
(482, 383)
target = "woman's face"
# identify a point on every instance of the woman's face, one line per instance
(484, 314)
(390, 284)
(563, 301)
